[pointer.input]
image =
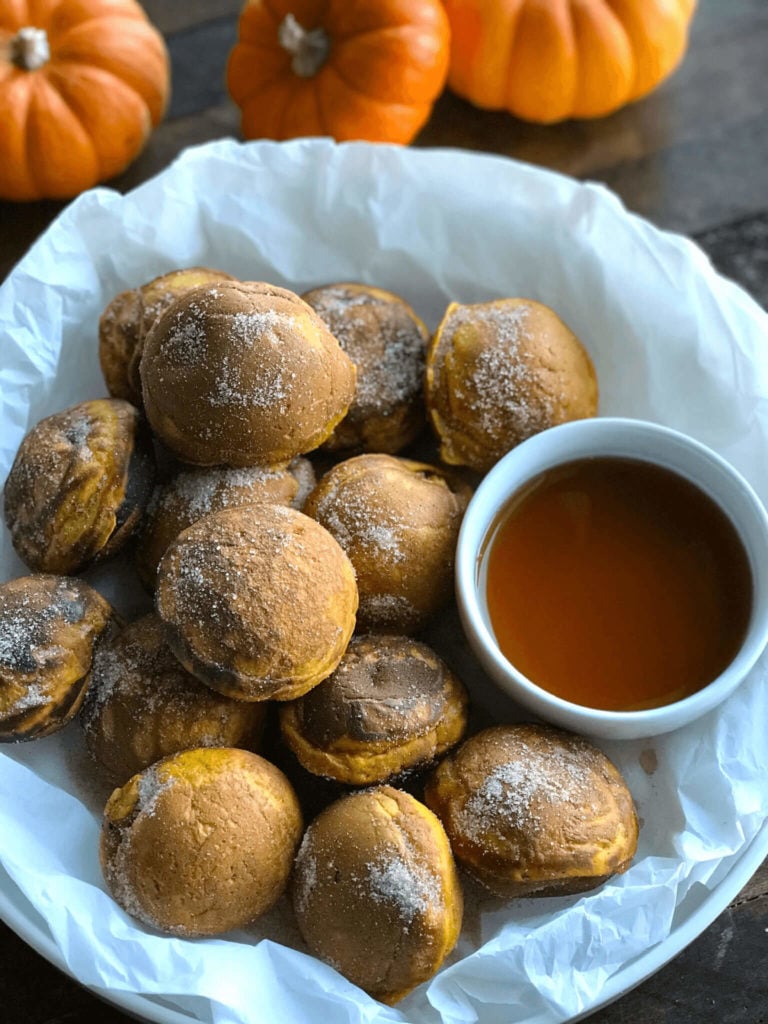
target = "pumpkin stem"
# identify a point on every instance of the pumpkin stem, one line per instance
(30, 49)
(309, 49)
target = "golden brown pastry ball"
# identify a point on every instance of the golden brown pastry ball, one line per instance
(126, 319)
(201, 842)
(79, 485)
(534, 811)
(391, 705)
(498, 372)
(143, 705)
(259, 602)
(376, 892)
(243, 374)
(398, 520)
(387, 342)
(194, 493)
(49, 628)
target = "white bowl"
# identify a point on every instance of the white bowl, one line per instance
(627, 438)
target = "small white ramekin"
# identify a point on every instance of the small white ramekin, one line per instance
(626, 438)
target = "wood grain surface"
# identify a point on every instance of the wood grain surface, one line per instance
(691, 158)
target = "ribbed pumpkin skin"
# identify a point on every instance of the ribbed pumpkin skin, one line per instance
(548, 60)
(86, 113)
(387, 63)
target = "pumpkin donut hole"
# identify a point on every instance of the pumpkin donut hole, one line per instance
(195, 492)
(391, 706)
(201, 842)
(127, 318)
(532, 810)
(50, 628)
(79, 486)
(386, 341)
(258, 602)
(243, 374)
(376, 891)
(142, 705)
(499, 372)
(398, 521)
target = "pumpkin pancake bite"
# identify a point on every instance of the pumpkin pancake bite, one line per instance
(376, 892)
(386, 341)
(128, 316)
(79, 485)
(143, 705)
(259, 602)
(391, 705)
(50, 627)
(531, 810)
(498, 372)
(201, 842)
(243, 374)
(398, 520)
(194, 493)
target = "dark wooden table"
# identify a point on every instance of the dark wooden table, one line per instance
(692, 158)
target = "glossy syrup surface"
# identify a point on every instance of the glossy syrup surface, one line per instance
(616, 584)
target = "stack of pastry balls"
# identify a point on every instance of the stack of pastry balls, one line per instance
(249, 459)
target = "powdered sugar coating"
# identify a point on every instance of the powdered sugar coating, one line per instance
(499, 372)
(143, 705)
(386, 340)
(243, 373)
(534, 810)
(398, 520)
(49, 628)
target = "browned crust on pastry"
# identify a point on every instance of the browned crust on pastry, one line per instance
(498, 372)
(385, 909)
(398, 520)
(201, 842)
(49, 629)
(79, 484)
(142, 705)
(387, 341)
(259, 602)
(243, 373)
(390, 706)
(534, 811)
(124, 323)
(195, 492)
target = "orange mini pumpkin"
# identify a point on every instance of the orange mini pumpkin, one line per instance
(82, 84)
(547, 60)
(351, 69)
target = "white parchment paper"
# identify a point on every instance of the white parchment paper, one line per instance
(672, 342)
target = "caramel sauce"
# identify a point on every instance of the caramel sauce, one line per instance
(616, 584)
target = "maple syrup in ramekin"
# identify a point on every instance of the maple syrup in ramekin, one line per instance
(616, 584)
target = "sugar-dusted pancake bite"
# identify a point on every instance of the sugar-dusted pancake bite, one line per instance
(498, 372)
(376, 892)
(201, 842)
(128, 316)
(398, 520)
(79, 485)
(143, 705)
(259, 602)
(532, 810)
(390, 706)
(194, 492)
(50, 627)
(243, 374)
(387, 342)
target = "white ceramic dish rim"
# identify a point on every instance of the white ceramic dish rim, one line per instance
(632, 438)
(627, 977)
